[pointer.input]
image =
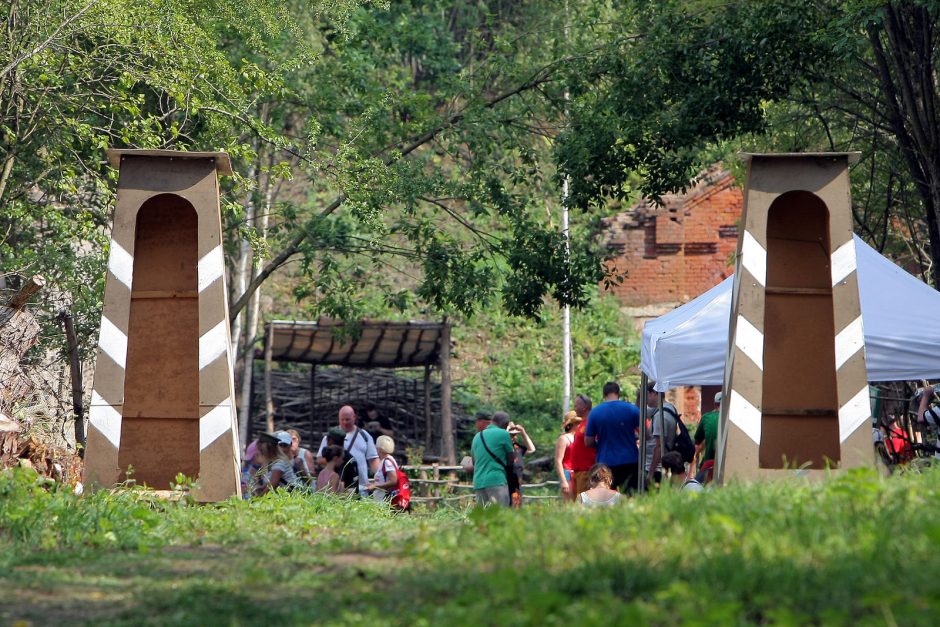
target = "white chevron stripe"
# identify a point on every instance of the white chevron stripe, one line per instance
(210, 267)
(754, 258)
(113, 342)
(121, 264)
(105, 418)
(854, 413)
(212, 344)
(843, 261)
(218, 421)
(750, 341)
(849, 341)
(742, 413)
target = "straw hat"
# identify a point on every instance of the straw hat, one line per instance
(571, 418)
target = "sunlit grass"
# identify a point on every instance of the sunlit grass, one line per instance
(857, 549)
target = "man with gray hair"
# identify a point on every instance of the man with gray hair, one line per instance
(491, 451)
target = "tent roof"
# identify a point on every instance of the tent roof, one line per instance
(380, 344)
(687, 346)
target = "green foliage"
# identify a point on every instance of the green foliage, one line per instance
(515, 365)
(854, 550)
(78, 77)
(677, 77)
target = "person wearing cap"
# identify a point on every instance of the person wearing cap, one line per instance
(706, 434)
(563, 454)
(612, 428)
(492, 459)
(276, 448)
(358, 443)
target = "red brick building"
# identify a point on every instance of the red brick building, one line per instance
(668, 254)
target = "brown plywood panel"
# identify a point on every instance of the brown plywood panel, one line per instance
(165, 245)
(799, 440)
(219, 471)
(158, 449)
(161, 386)
(800, 407)
(102, 467)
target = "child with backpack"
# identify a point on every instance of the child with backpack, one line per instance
(390, 482)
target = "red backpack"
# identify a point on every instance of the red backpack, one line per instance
(401, 496)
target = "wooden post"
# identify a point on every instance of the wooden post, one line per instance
(250, 416)
(313, 405)
(448, 449)
(427, 406)
(268, 398)
(75, 366)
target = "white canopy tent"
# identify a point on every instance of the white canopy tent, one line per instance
(900, 316)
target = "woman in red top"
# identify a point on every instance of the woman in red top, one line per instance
(563, 454)
(581, 456)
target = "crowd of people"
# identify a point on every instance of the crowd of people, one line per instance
(596, 456)
(346, 458)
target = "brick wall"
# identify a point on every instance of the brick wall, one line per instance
(674, 252)
(671, 253)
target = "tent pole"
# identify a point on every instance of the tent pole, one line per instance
(641, 475)
(662, 440)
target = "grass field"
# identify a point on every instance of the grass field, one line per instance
(855, 550)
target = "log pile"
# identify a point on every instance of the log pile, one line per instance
(399, 398)
(19, 331)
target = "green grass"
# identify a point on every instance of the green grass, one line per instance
(858, 549)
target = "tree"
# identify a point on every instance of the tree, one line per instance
(686, 76)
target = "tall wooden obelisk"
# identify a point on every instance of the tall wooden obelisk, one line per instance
(163, 397)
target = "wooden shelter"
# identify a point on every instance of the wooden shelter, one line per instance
(366, 344)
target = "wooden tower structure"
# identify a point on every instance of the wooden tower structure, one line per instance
(163, 397)
(795, 378)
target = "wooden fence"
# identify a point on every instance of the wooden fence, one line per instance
(438, 483)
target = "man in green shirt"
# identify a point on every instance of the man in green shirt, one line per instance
(491, 450)
(705, 436)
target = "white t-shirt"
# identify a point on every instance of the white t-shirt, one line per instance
(386, 466)
(362, 448)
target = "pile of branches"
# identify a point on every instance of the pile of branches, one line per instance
(57, 463)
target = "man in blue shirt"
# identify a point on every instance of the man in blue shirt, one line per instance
(612, 428)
